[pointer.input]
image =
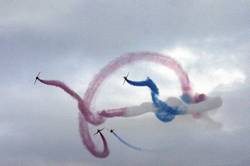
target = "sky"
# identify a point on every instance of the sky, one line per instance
(72, 40)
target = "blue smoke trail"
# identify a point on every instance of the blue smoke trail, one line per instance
(148, 82)
(135, 147)
(164, 112)
(126, 143)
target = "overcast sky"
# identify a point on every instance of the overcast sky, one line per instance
(72, 40)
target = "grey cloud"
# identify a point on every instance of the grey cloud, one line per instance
(72, 40)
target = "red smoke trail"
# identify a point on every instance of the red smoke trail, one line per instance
(87, 116)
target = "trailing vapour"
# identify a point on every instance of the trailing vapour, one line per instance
(188, 103)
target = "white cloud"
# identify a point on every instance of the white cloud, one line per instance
(209, 77)
(182, 55)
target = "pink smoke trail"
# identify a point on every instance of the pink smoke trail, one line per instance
(87, 140)
(121, 61)
(83, 125)
(87, 116)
